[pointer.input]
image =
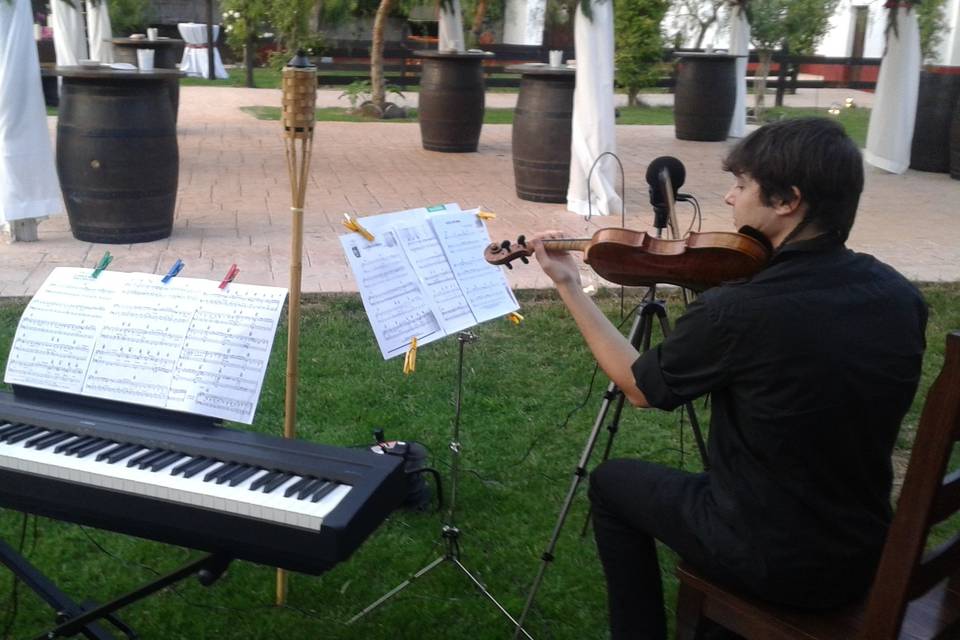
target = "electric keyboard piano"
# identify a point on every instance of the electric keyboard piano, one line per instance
(182, 479)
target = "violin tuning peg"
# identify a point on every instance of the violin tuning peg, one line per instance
(508, 265)
(522, 240)
(505, 245)
(524, 260)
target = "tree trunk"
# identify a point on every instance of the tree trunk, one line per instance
(478, 17)
(249, 51)
(633, 97)
(760, 85)
(378, 90)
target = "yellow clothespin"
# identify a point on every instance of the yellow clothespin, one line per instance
(514, 317)
(410, 361)
(486, 215)
(351, 223)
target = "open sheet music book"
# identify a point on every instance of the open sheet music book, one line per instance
(184, 345)
(424, 275)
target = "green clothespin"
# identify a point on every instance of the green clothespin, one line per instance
(103, 264)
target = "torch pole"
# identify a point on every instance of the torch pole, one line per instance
(299, 115)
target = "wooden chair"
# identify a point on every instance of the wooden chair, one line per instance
(914, 594)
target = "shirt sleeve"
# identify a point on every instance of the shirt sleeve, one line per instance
(689, 363)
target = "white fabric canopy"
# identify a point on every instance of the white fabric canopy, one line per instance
(68, 38)
(29, 187)
(450, 28)
(99, 31)
(739, 46)
(593, 131)
(895, 104)
(195, 60)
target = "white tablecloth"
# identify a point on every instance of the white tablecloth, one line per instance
(194, 61)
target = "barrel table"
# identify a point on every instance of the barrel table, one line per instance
(117, 154)
(166, 55)
(936, 101)
(706, 94)
(542, 123)
(451, 100)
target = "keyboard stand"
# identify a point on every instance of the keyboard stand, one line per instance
(75, 618)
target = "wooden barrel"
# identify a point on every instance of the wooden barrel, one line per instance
(542, 124)
(117, 155)
(706, 94)
(955, 143)
(451, 102)
(936, 100)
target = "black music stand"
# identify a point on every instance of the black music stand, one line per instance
(449, 532)
(73, 618)
(640, 337)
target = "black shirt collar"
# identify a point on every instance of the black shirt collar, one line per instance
(817, 244)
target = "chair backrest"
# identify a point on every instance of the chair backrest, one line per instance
(927, 498)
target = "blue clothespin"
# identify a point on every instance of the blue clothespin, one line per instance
(103, 264)
(174, 270)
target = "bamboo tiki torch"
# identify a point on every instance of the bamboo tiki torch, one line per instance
(299, 115)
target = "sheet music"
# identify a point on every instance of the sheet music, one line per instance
(396, 304)
(185, 344)
(463, 237)
(414, 282)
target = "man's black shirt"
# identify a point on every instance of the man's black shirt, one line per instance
(811, 366)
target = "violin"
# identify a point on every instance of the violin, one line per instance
(636, 259)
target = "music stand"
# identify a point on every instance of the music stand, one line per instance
(449, 532)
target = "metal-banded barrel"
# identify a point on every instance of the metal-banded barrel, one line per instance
(451, 103)
(167, 54)
(542, 123)
(706, 94)
(117, 154)
(936, 102)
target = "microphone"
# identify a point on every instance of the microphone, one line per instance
(660, 200)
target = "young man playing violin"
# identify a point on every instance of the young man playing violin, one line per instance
(811, 365)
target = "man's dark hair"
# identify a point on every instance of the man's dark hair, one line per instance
(816, 156)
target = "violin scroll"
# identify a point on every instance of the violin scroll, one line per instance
(506, 252)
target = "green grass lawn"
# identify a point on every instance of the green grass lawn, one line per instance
(519, 453)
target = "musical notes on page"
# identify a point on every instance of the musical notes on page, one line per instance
(185, 345)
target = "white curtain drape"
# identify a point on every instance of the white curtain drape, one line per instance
(593, 131)
(68, 38)
(739, 46)
(29, 187)
(450, 28)
(895, 104)
(99, 31)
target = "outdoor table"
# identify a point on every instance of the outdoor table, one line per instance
(117, 154)
(542, 124)
(166, 55)
(706, 94)
(451, 101)
(195, 62)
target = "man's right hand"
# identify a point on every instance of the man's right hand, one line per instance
(558, 265)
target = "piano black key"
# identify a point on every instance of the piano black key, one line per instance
(264, 479)
(243, 475)
(320, 493)
(23, 435)
(92, 447)
(76, 444)
(137, 459)
(232, 473)
(66, 443)
(219, 471)
(104, 454)
(276, 482)
(49, 441)
(41, 437)
(200, 467)
(314, 484)
(296, 486)
(186, 464)
(153, 457)
(8, 426)
(9, 433)
(122, 453)
(165, 461)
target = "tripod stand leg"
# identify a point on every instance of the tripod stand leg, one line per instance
(397, 589)
(490, 597)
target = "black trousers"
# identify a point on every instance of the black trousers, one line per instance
(636, 503)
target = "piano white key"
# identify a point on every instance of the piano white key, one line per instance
(239, 500)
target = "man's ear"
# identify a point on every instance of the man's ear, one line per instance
(790, 207)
